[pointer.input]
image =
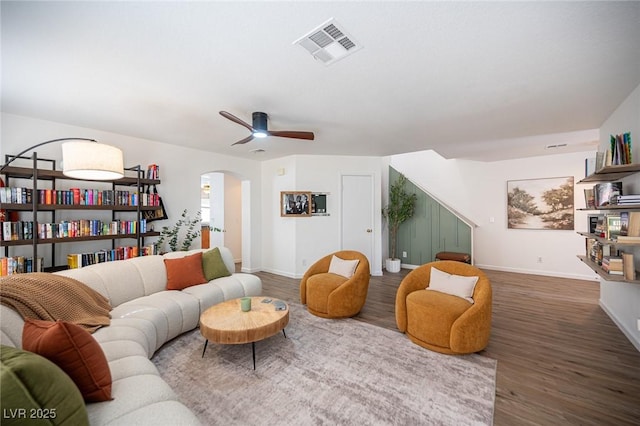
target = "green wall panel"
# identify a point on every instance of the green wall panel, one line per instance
(432, 229)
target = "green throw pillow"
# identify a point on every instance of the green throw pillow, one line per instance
(213, 265)
(36, 391)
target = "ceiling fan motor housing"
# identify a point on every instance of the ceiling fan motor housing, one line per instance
(260, 121)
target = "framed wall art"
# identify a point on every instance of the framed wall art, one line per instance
(545, 203)
(295, 203)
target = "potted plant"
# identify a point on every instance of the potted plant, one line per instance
(173, 235)
(400, 208)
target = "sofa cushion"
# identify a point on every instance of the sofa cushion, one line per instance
(159, 413)
(120, 281)
(213, 265)
(138, 332)
(35, 385)
(75, 351)
(184, 272)
(150, 318)
(455, 285)
(131, 394)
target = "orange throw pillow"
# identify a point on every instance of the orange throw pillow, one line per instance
(184, 272)
(75, 351)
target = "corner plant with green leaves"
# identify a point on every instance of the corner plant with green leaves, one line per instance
(400, 208)
(172, 235)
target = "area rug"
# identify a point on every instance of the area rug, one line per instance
(328, 372)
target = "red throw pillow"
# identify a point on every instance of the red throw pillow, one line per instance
(75, 351)
(184, 272)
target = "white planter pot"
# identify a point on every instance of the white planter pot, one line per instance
(393, 265)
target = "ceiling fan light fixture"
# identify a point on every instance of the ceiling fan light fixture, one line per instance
(259, 128)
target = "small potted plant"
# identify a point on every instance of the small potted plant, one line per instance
(400, 208)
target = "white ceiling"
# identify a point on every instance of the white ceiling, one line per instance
(477, 80)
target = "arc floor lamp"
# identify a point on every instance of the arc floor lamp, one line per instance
(84, 158)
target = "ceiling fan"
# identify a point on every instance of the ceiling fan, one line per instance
(259, 128)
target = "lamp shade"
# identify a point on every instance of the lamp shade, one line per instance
(92, 161)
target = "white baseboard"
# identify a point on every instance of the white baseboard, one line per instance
(629, 333)
(539, 272)
(250, 271)
(409, 266)
(282, 273)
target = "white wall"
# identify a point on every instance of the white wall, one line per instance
(478, 190)
(622, 300)
(290, 244)
(180, 186)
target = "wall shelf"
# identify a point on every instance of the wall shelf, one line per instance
(601, 272)
(611, 173)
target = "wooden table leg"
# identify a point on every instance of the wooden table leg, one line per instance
(205, 347)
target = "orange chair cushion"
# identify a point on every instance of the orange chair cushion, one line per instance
(319, 286)
(431, 314)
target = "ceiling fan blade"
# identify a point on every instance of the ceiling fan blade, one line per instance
(292, 134)
(235, 119)
(245, 140)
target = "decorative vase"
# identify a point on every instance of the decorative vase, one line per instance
(393, 265)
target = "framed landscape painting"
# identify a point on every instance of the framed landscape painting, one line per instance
(540, 204)
(295, 203)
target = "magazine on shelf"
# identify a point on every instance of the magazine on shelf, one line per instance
(604, 192)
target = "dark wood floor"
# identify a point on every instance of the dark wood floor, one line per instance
(561, 360)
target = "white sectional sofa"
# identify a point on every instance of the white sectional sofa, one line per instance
(145, 315)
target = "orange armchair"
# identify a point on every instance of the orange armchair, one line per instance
(330, 295)
(443, 322)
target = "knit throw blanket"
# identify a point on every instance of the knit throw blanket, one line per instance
(51, 297)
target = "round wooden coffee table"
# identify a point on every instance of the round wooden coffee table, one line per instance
(225, 323)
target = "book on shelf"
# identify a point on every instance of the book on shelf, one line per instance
(629, 224)
(20, 265)
(613, 226)
(599, 251)
(593, 222)
(621, 152)
(599, 229)
(589, 166)
(589, 198)
(626, 199)
(629, 267)
(634, 224)
(624, 223)
(601, 157)
(627, 239)
(605, 191)
(612, 265)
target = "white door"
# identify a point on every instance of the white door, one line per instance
(357, 214)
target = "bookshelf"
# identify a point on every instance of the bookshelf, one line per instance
(128, 188)
(609, 174)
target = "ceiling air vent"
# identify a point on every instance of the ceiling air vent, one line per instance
(555, 146)
(329, 42)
